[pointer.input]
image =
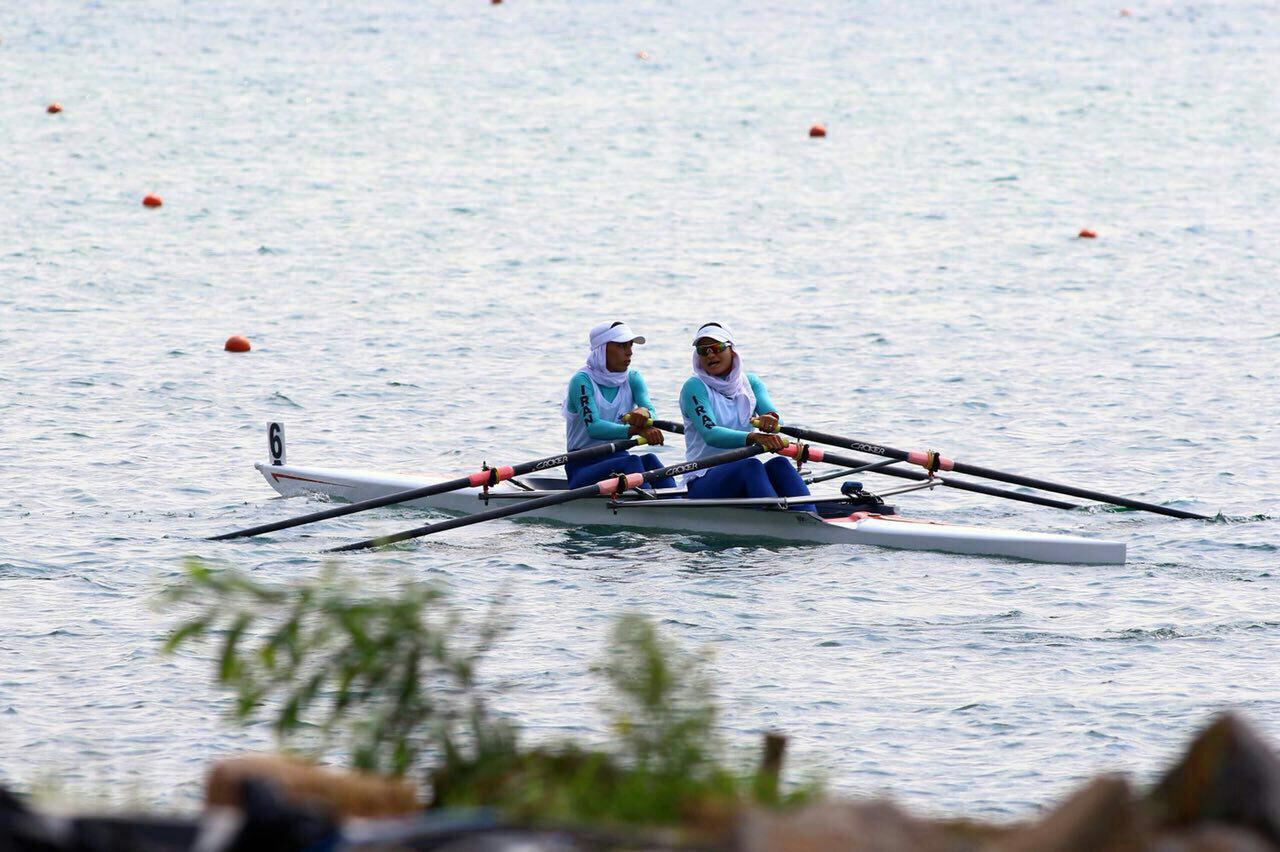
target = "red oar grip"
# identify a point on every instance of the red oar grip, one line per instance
(930, 460)
(492, 476)
(792, 450)
(611, 486)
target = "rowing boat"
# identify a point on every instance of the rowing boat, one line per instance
(667, 510)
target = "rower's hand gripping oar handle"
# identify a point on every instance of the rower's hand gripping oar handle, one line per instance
(809, 453)
(678, 428)
(668, 426)
(806, 452)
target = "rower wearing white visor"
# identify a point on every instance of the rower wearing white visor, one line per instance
(719, 402)
(608, 401)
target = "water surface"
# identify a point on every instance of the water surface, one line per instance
(414, 211)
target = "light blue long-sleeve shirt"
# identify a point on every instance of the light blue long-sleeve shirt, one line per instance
(694, 395)
(581, 393)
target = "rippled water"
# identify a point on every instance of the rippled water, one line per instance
(415, 212)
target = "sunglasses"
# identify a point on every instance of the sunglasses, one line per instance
(710, 349)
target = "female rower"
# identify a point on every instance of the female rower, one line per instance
(718, 403)
(608, 401)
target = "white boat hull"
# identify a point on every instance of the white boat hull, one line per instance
(889, 531)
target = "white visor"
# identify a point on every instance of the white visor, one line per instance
(607, 332)
(715, 331)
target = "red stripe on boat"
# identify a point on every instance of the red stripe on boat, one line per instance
(280, 476)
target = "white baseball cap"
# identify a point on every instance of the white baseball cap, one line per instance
(613, 332)
(716, 331)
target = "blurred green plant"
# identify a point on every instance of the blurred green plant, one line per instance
(377, 668)
(380, 668)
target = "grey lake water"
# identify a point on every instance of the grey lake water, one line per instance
(414, 210)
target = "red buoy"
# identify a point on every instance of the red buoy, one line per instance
(151, 201)
(817, 131)
(53, 108)
(1124, 13)
(1086, 234)
(236, 343)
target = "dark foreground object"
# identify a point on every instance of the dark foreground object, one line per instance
(1222, 796)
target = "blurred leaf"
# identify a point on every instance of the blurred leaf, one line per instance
(229, 665)
(191, 630)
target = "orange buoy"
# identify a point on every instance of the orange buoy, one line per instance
(1124, 13)
(1086, 234)
(817, 131)
(53, 108)
(236, 343)
(151, 201)
(644, 54)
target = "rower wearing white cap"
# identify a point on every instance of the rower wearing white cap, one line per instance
(608, 401)
(719, 402)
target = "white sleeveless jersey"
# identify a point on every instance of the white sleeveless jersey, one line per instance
(575, 428)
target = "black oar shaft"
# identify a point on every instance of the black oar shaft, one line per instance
(883, 467)
(850, 461)
(988, 473)
(1085, 493)
(895, 455)
(604, 487)
(600, 450)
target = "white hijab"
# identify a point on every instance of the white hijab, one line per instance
(596, 368)
(732, 385)
(601, 374)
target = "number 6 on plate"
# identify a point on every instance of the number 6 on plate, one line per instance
(275, 442)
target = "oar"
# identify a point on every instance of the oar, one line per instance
(860, 466)
(819, 455)
(605, 487)
(933, 462)
(490, 476)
